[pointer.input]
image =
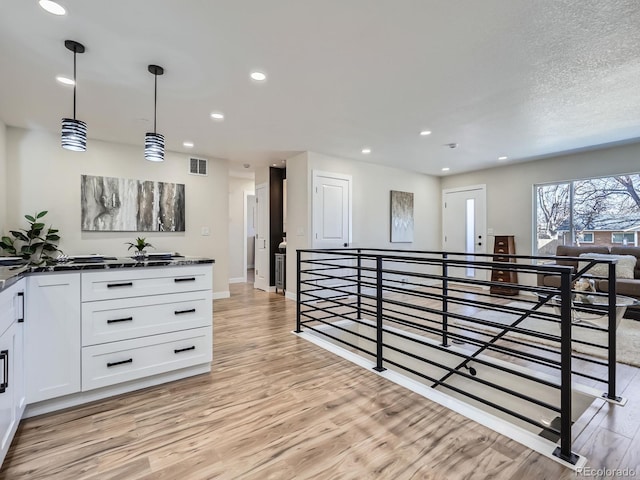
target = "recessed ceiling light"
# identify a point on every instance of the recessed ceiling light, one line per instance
(425, 132)
(504, 157)
(445, 169)
(217, 116)
(187, 144)
(366, 151)
(65, 80)
(258, 76)
(52, 7)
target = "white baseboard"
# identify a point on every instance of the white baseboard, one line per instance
(219, 295)
(237, 280)
(290, 295)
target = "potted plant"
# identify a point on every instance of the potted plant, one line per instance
(38, 244)
(140, 244)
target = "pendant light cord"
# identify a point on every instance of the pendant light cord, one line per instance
(74, 83)
(155, 100)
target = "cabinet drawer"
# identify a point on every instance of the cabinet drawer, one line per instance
(133, 282)
(118, 362)
(115, 320)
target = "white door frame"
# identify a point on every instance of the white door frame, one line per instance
(315, 174)
(245, 202)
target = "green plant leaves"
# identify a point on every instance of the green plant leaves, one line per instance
(35, 248)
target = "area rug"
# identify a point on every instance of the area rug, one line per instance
(628, 333)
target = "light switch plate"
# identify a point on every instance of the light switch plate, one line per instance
(204, 231)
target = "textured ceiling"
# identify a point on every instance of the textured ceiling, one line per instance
(498, 77)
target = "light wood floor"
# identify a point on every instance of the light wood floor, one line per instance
(276, 406)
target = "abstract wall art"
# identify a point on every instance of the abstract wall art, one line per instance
(401, 217)
(123, 205)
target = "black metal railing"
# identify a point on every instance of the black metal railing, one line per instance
(414, 309)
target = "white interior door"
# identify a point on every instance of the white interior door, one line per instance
(331, 210)
(262, 239)
(464, 218)
(331, 223)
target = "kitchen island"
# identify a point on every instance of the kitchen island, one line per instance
(80, 331)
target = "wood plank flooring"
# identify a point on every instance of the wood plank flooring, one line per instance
(276, 406)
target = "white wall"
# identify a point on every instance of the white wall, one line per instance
(510, 187)
(44, 176)
(237, 187)
(371, 186)
(3, 179)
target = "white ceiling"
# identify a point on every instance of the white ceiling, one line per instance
(520, 78)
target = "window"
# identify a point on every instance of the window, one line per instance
(603, 210)
(625, 238)
(585, 237)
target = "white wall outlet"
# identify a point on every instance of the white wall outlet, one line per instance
(204, 231)
(300, 231)
(489, 231)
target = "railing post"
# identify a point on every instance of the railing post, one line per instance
(612, 300)
(298, 295)
(445, 303)
(359, 285)
(379, 367)
(564, 450)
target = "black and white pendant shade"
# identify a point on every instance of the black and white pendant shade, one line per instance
(74, 132)
(154, 147)
(154, 142)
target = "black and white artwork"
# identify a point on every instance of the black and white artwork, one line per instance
(401, 217)
(124, 205)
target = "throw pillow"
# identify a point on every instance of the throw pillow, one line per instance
(624, 267)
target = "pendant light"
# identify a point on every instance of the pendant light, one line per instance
(74, 132)
(154, 142)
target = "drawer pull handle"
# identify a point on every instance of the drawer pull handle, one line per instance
(113, 364)
(180, 312)
(116, 320)
(4, 355)
(190, 279)
(178, 350)
(125, 284)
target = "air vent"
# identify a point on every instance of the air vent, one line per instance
(198, 166)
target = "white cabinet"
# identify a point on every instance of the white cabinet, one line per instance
(12, 398)
(137, 323)
(52, 347)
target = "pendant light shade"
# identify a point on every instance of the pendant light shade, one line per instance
(74, 132)
(154, 147)
(154, 142)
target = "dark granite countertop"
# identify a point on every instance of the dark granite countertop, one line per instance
(12, 273)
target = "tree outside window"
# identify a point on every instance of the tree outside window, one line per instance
(604, 211)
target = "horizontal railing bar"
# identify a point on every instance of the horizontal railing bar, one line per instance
(461, 355)
(522, 396)
(475, 397)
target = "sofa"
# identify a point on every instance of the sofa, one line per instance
(629, 287)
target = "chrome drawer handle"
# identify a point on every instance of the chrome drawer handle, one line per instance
(126, 284)
(193, 347)
(180, 312)
(113, 364)
(116, 320)
(190, 279)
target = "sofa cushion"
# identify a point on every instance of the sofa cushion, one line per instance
(635, 251)
(624, 267)
(569, 251)
(624, 286)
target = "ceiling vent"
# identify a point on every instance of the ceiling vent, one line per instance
(198, 166)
